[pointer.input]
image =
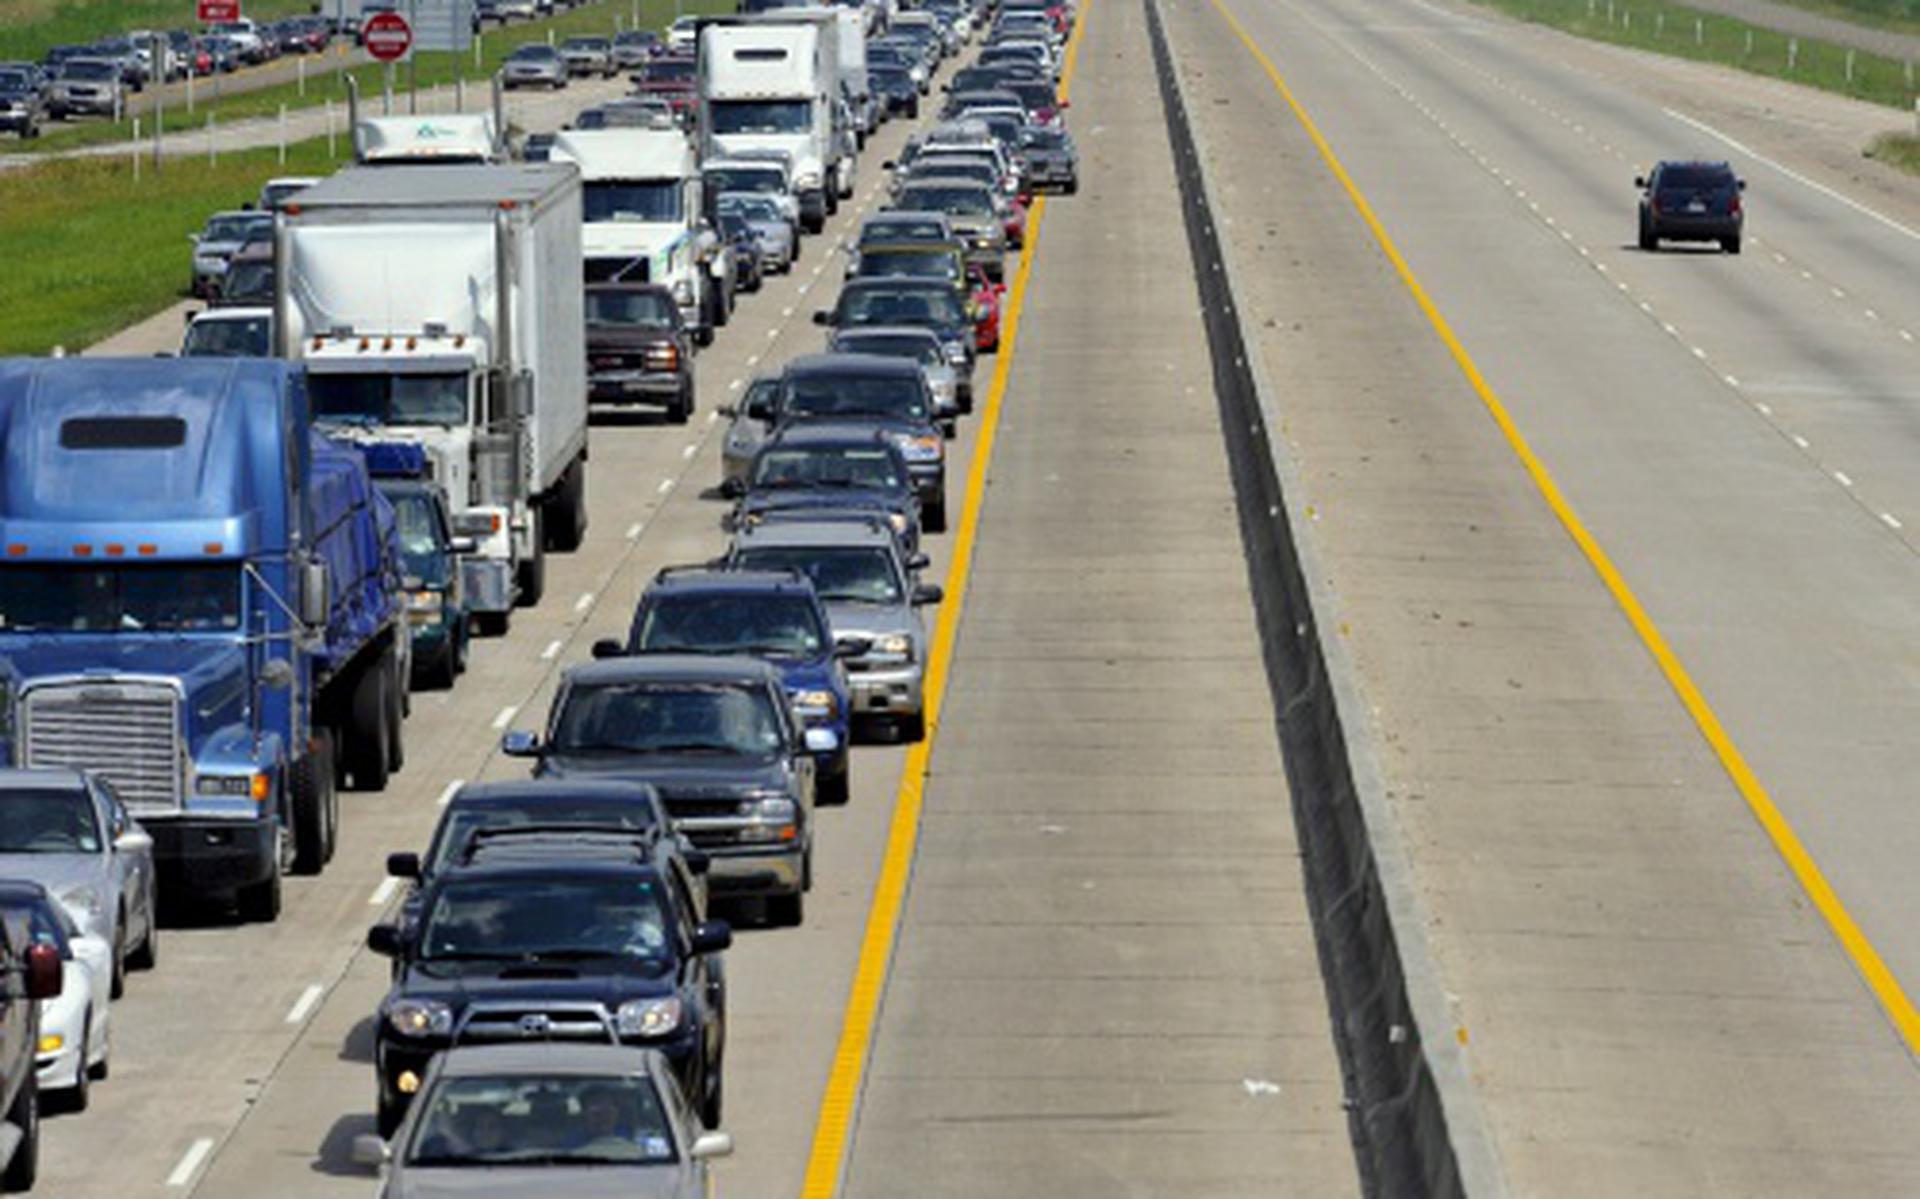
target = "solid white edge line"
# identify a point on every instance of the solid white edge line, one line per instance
(190, 1162)
(309, 999)
(383, 892)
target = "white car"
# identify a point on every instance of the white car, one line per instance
(75, 1031)
(683, 35)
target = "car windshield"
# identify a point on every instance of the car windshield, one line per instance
(35, 821)
(422, 539)
(626, 200)
(13, 81)
(924, 350)
(670, 70)
(613, 916)
(772, 623)
(890, 395)
(463, 820)
(849, 466)
(232, 228)
(912, 229)
(588, 43)
(917, 264)
(1695, 178)
(955, 201)
(758, 180)
(759, 116)
(547, 1120)
(119, 599)
(630, 309)
(534, 54)
(846, 574)
(248, 282)
(1044, 139)
(919, 305)
(645, 718)
(438, 399)
(241, 337)
(749, 207)
(91, 70)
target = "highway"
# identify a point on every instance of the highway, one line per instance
(1620, 549)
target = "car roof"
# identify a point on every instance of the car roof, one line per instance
(894, 283)
(902, 216)
(549, 1057)
(1701, 164)
(869, 366)
(825, 433)
(38, 779)
(878, 332)
(520, 791)
(822, 533)
(675, 668)
(19, 892)
(720, 581)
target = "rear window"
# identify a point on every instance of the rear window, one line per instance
(1696, 178)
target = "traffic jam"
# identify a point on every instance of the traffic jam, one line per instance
(227, 571)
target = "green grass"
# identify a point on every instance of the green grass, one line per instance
(1900, 150)
(29, 28)
(432, 69)
(89, 251)
(1670, 29)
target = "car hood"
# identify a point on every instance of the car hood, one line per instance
(826, 497)
(510, 1182)
(58, 872)
(871, 620)
(676, 775)
(611, 981)
(211, 671)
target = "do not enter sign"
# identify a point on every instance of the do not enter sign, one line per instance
(215, 12)
(387, 36)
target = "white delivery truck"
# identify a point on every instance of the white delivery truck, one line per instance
(771, 82)
(443, 307)
(436, 139)
(645, 219)
(851, 38)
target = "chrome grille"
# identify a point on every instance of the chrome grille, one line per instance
(536, 1022)
(129, 733)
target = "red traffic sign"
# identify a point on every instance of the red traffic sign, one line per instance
(215, 12)
(387, 36)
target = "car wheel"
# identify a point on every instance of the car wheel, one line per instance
(24, 1167)
(712, 1103)
(835, 789)
(787, 911)
(933, 518)
(681, 411)
(147, 954)
(260, 903)
(492, 624)
(1731, 244)
(80, 1094)
(912, 728)
(118, 986)
(388, 1116)
(1648, 241)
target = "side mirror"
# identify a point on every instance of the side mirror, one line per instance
(713, 936)
(519, 743)
(186, 318)
(710, 1145)
(949, 429)
(1741, 184)
(1064, 105)
(315, 605)
(385, 940)
(462, 545)
(760, 408)
(927, 593)
(918, 562)
(133, 840)
(733, 487)
(43, 972)
(1639, 180)
(607, 647)
(403, 865)
(821, 741)
(728, 410)
(372, 1152)
(822, 317)
(193, 239)
(698, 861)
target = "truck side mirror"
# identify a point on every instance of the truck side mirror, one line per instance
(315, 598)
(43, 972)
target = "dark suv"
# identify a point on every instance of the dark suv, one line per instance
(889, 395)
(828, 468)
(33, 973)
(556, 941)
(775, 615)
(1691, 201)
(720, 742)
(639, 349)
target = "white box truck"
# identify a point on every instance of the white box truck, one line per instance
(645, 219)
(443, 307)
(851, 40)
(772, 83)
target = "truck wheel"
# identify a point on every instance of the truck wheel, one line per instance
(25, 1116)
(314, 805)
(722, 306)
(567, 526)
(396, 714)
(438, 675)
(492, 624)
(260, 903)
(531, 576)
(682, 410)
(366, 751)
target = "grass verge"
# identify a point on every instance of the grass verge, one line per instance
(1900, 150)
(1683, 32)
(432, 70)
(89, 251)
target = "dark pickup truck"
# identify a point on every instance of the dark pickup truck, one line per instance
(29, 973)
(639, 349)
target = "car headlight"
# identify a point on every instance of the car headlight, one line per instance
(898, 520)
(648, 1017)
(424, 601)
(682, 292)
(956, 352)
(820, 702)
(894, 645)
(807, 180)
(84, 905)
(420, 1018)
(774, 818)
(922, 449)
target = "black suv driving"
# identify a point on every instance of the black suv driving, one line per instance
(1691, 201)
(557, 940)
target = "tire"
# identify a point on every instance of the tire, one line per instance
(260, 903)
(438, 675)
(146, 955)
(492, 624)
(933, 518)
(531, 575)
(835, 790)
(911, 729)
(313, 800)
(564, 523)
(24, 1115)
(118, 986)
(75, 1099)
(720, 311)
(387, 1117)
(1648, 241)
(365, 751)
(396, 718)
(1731, 244)
(787, 911)
(681, 411)
(714, 1101)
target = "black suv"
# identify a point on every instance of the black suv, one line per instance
(889, 395)
(1691, 201)
(811, 469)
(33, 973)
(532, 939)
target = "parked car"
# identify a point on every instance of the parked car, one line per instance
(41, 977)
(872, 595)
(554, 941)
(1691, 201)
(535, 64)
(639, 349)
(718, 739)
(588, 56)
(70, 833)
(229, 333)
(548, 1119)
(776, 617)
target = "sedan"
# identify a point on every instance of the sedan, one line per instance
(75, 1028)
(70, 833)
(534, 65)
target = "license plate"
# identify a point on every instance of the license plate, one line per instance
(1696, 206)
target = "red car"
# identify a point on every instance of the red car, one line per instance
(987, 298)
(1016, 223)
(670, 78)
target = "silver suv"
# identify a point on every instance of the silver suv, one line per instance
(873, 596)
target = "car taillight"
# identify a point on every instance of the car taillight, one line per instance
(1733, 206)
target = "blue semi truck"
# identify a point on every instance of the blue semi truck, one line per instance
(201, 601)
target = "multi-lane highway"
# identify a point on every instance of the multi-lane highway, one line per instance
(1620, 551)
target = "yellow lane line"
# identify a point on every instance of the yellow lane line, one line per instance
(1886, 988)
(834, 1127)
